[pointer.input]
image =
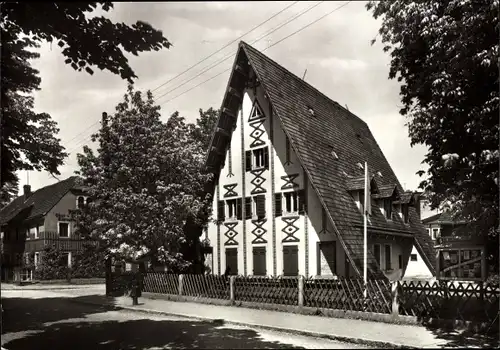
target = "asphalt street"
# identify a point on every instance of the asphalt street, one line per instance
(46, 319)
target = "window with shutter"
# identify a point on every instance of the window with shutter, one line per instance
(220, 211)
(248, 160)
(259, 261)
(231, 209)
(248, 207)
(376, 252)
(290, 260)
(239, 208)
(231, 261)
(388, 257)
(302, 202)
(277, 204)
(266, 158)
(258, 158)
(260, 206)
(291, 205)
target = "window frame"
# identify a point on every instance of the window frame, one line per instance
(293, 195)
(28, 234)
(413, 255)
(59, 229)
(228, 203)
(388, 259)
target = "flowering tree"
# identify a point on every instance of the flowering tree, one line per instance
(146, 183)
(445, 54)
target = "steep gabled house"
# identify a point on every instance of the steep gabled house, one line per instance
(36, 219)
(288, 189)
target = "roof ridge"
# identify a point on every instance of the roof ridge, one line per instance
(302, 81)
(54, 184)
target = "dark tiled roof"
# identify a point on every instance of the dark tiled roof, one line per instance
(386, 191)
(358, 183)
(442, 218)
(39, 203)
(314, 137)
(405, 198)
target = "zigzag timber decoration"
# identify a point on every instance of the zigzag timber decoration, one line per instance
(231, 233)
(289, 183)
(258, 181)
(256, 113)
(257, 133)
(259, 231)
(290, 229)
(230, 164)
(230, 190)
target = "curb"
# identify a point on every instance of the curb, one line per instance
(220, 322)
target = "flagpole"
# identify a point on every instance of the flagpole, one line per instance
(365, 232)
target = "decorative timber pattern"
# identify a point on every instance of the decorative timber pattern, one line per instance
(259, 231)
(258, 181)
(287, 160)
(243, 187)
(218, 232)
(289, 183)
(256, 113)
(290, 229)
(230, 190)
(257, 133)
(273, 190)
(230, 163)
(231, 233)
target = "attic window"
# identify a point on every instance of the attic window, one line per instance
(311, 111)
(360, 165)
(335, 156)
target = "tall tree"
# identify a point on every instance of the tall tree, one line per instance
(203, 129)
(8, 192)
(445, 54)
(145, 182)
(28, 139)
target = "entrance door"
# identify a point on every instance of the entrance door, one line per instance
(290, 260)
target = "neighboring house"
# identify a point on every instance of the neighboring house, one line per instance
(288, 190)
(461, 253)
(36, 219)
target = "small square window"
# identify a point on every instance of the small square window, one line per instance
(413, 257)
(258, 158)
(64, 229)
(231, 209)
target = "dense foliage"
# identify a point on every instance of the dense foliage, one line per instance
(147, 185)
(445, 54)
(28, 139)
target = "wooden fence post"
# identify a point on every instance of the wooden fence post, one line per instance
(231, 289)
(301, 291)
(181, 280)
(395, 301)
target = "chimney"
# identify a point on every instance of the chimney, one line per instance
(27, 191)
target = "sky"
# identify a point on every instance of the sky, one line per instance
(336, 51)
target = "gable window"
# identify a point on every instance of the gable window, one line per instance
(257, 159)
(388, 209)
(376, 252)
(290, 203)
(413, 257)
(63, 229)
(388, 257)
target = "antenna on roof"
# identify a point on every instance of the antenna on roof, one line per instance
(304, 74)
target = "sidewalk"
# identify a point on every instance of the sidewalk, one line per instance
(376, 334)
(12, 286)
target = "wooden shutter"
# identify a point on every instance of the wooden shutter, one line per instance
(277, 204)
(291, 260)
(302, 202)
(221, 215)
(248, 160)
(259, 261)
(248, 207)
(266, 157)
(260, 204)
(232, 260)
(388, 257)
(239, 209)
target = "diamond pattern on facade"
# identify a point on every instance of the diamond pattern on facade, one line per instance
(289, 183)
(259, 231)
(230, 190)
(257, 181)
(231, 233)
(257, 133)
(290, 229)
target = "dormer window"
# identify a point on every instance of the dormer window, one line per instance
(405, 213)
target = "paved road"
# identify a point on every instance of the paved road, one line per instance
(49, 320)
